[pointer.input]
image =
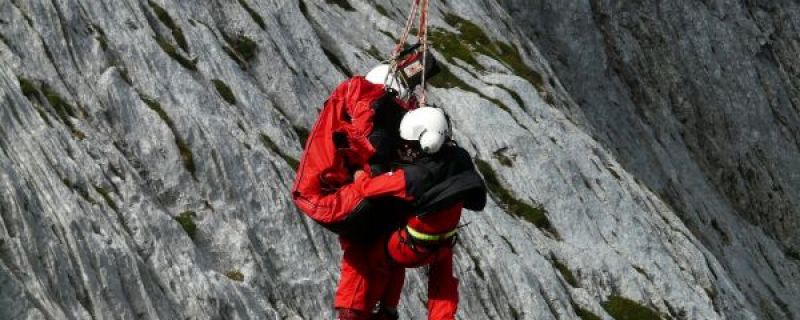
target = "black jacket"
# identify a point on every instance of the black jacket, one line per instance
(443, 179)
(435, 182)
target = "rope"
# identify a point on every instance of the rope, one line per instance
(423, 36)
(421, 7)
(406, 29)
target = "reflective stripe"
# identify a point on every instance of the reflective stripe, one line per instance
(429, 237)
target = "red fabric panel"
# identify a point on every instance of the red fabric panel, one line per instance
(348, 110)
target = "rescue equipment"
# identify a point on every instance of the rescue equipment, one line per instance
(430, 237)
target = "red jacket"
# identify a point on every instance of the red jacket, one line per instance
(347, 115)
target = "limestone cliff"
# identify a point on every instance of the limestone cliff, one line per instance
(642, 157)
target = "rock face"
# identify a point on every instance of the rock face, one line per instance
(643, 157)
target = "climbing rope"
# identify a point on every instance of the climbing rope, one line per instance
(423, 37)
(417, 7)
(406, 30)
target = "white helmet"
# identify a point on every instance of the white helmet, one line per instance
(380, 75)
(427, 125)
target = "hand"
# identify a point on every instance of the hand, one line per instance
(358, 174)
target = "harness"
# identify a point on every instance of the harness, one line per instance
(421, 236)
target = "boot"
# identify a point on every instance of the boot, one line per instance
(351, 314)
(385, 314)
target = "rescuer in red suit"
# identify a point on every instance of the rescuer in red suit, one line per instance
(444, 181)
(345, 140)
(351, 182)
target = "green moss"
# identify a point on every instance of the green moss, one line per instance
(472, 40)
(240, 48)
(77, 134)
(451, 46)
(344, 4)
(224, 90)
(28, 88)
(183, 148)
(62, 107)
(171, 51)
(243, 45)
(106, 196)
(621, 308)
(235, 56)
(166, 19)
(565, 272)
(30, 91)
(293, 163)
(548, 97)
(235, 275)
(509, 55)
(536, 215)
(186, 220)
(374, 52)
(447, 80)
(253, 14)
(514, 312)
(501, 157)
(81, 192)
(155, 106)
(389, 35)
(712, 294)
(585, 314)
(382, 10)
(614, 173)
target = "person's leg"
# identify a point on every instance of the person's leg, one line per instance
(394, 287)
(383, 278)
(442, 287)
(403, 252)
(351, 294)
(390, 297)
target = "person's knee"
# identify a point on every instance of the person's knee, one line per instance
(403, 251)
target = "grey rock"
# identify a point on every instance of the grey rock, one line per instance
(663, 158)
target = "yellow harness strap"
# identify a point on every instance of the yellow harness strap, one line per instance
(430, 237)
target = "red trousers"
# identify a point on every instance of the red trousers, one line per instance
(374, 273)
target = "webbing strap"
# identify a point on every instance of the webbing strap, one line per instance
(430, 237)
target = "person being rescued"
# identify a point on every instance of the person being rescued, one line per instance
(359, 178)
(443, 181)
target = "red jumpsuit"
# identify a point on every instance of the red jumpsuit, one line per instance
(322, 189)
(348, 113)
(388, 273)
